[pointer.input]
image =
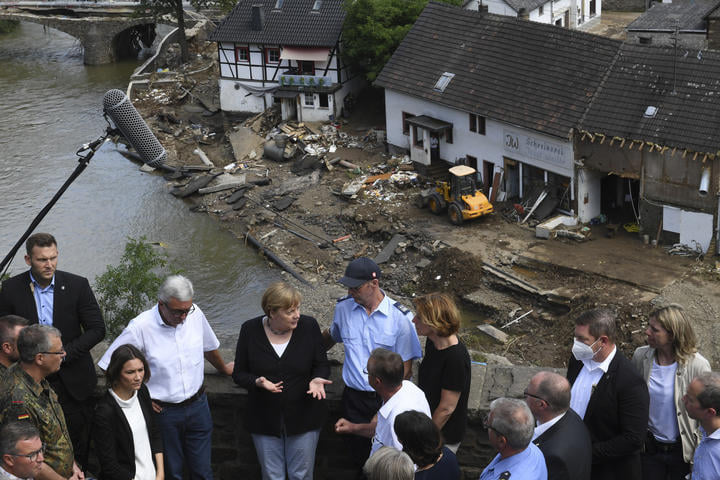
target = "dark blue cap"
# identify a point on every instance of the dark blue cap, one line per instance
(359, 271)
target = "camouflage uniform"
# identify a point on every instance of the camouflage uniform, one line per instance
(37, 402)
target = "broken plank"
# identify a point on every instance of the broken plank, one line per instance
(193, 185)
(389, 249)
(219, 188)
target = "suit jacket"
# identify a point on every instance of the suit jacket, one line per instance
(567, 449)
(113, 438)
(616, 417)
(75, 313)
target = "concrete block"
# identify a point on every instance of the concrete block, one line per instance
(494, 333)
(544, 229)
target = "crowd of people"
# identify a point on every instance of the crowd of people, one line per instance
(656, 416)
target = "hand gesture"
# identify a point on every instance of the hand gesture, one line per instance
(317, 387)
(344, 426)
(263, 382)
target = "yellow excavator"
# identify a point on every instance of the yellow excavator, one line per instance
(460, 196)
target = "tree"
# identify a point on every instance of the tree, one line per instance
(131, 287)
(373, 29)
(158, 8)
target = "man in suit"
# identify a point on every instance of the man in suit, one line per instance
(65, 301)
(560, 433)
(609, 395)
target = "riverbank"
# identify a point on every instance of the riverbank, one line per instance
(315, 218)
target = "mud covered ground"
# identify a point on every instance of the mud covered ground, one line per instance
(305, 221)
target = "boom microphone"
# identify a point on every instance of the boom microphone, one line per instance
(118, 107)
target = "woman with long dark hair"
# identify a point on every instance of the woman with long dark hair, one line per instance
(128, 444)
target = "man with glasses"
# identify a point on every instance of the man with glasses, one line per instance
(175, 336)
(364, 320)
(65, 301)
(560, 433)
(21, 451)
(510, 430)
(30, 398)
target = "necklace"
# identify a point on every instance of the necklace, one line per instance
(272, 330)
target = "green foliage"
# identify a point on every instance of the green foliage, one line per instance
(131, 287)
(374, 28)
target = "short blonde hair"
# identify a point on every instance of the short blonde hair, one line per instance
(280, 295)
(672, 318)
(438, 310)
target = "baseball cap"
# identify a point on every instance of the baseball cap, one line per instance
(359, 271)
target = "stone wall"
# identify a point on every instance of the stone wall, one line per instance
(234, 456)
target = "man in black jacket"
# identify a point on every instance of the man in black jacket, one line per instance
(610, 396)
(560, 434)
(65, 301)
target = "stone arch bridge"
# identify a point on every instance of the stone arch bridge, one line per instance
(105, 30)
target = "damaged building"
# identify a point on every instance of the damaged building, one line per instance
(624, 132)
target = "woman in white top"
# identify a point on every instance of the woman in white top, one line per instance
(128, 444)
(669, 363)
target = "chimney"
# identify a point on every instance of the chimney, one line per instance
(257, 19)
(523, 14)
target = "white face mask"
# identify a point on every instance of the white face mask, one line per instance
(583, 352)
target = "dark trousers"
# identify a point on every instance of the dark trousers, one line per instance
(359, 407)
(663, 461)
(78, 417)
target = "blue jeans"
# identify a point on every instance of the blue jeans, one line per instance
(295, 453)
(187, 430)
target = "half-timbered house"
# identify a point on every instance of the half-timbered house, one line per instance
(287, 52)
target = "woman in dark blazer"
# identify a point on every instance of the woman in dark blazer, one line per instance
(281, 361)
(128, 444)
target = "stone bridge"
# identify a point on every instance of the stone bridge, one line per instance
(105, 30)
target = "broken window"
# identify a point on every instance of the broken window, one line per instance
(405, 125)
(324, 100)
(443, 81)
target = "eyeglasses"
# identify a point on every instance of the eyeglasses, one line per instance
(365, 371)
(527, 394)
(60, 352)
(359, 286)
(179, 313)
(486, 424)
(32, 456)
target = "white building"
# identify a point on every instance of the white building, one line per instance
(561, 13)
(285, 51)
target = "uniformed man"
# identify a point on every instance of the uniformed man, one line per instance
(510, 426)
(702, 401)
(30, 397)
(10, 326)
(21, 451)
(364, 320)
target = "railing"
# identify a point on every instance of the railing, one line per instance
(305, 80)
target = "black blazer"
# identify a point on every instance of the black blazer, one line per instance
(75, 313)
(567, 449)
(617, 418)
(303, 359)
(113, 438)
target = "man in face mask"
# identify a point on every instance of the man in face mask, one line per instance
(610, 396)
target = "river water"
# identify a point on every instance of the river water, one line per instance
(51, 104)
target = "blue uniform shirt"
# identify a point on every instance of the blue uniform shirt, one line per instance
(526, 465)
(389, 326)
(707, 457)
(44, 300)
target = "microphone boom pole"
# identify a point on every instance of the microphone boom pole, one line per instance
(84, 160)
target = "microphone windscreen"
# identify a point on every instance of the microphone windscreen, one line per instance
(123, 114)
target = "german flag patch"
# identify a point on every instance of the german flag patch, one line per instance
(24, 416)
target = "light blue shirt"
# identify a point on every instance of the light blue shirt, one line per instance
(389, 326)
(44, 300)
(707, 457)
(526, 465)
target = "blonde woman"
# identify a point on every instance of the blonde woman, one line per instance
(668, 364)
(444, 373)
(281, 361)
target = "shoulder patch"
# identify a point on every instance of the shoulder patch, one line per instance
(341, 299)
(504, 475)
(401, 307)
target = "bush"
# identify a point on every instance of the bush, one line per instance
(131, 287)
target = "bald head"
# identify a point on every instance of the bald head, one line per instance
(548, 395)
